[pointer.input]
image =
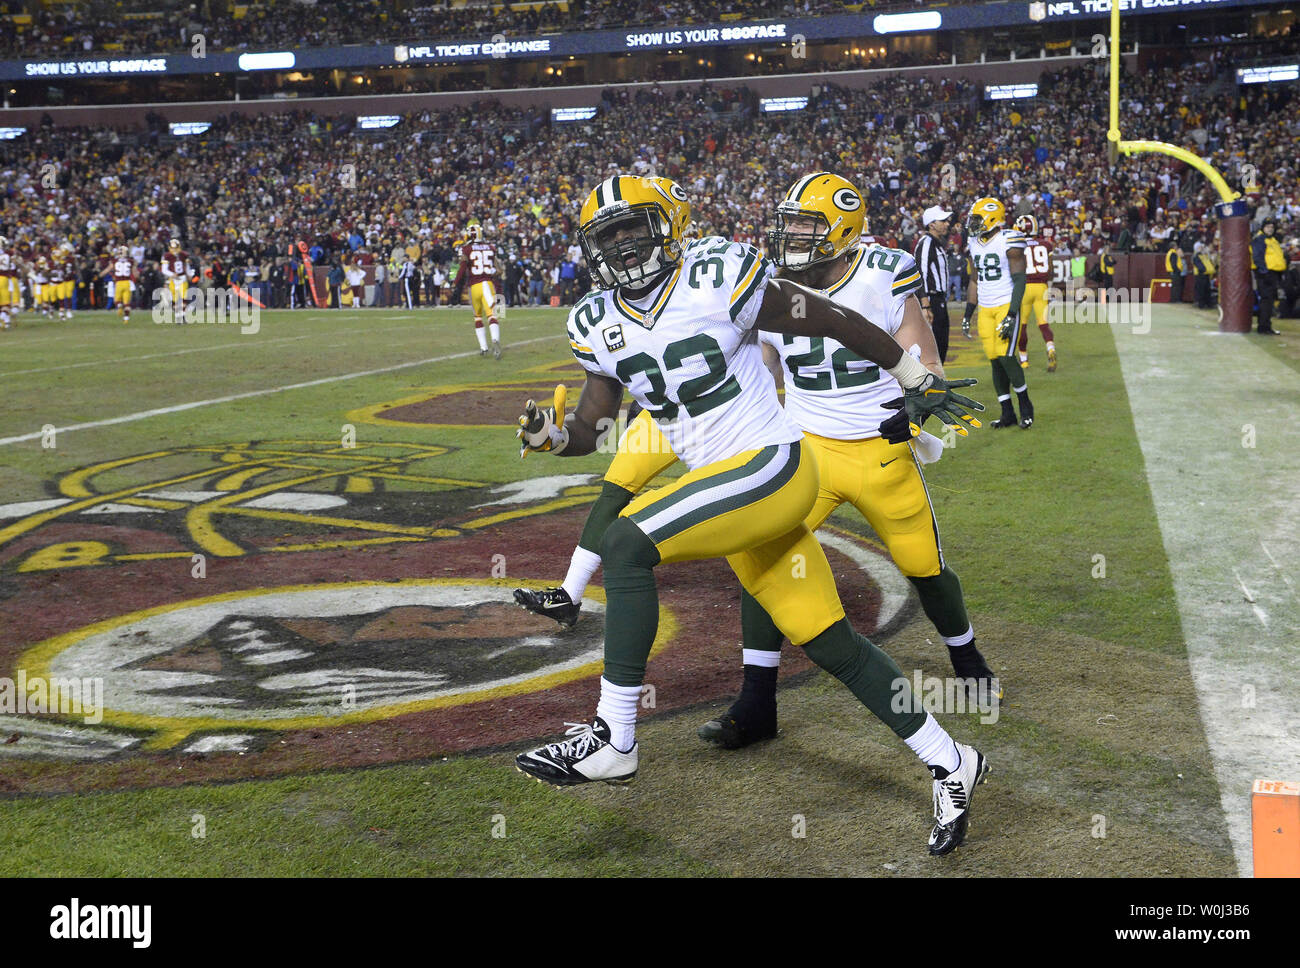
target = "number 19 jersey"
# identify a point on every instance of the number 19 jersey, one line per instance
(830, 391)
(992, 267)
(688, 352)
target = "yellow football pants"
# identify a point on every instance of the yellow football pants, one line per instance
(750, 509)
(990, 318)
(643, 454)
(883, 481)
(122, 294)
(8, 290)
(483, 297)
(1034, 304)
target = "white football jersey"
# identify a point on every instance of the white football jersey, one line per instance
(688, 352)
(830, 391)
(992, 267)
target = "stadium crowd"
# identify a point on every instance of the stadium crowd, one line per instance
(239, 195)
(83, 28)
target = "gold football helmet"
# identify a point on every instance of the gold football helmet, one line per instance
(474, 233)
(631, 229)
(821, 216)
(1027, 224)
(174, 245)
(986, 216)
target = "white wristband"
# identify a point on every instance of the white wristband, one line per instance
(559, 439)
(909, 372)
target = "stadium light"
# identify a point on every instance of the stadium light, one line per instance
(1007, 92)
(1268, 75)
(773, 104)
(279, 60)
(573, 114)
(896, 23)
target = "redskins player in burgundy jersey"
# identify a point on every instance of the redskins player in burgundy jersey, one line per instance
(1038, 276)
(478, 264)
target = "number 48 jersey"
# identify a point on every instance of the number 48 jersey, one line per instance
(688, 352)
(830, 391)
(992, 267)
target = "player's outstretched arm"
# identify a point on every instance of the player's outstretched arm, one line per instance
(914, 330)
(548, 430)
(795, 310)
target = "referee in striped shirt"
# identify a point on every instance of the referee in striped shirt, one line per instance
(931, 256)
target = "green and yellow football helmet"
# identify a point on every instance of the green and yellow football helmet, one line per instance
(987, 215)
(821, 216)
(631, 229)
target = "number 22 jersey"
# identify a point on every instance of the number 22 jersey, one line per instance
(688, 352)
(830, 391)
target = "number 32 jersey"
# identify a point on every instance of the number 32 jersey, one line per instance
(688, 352)
(830, 391)
(992, 267)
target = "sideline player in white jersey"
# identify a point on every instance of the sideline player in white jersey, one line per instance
(997, 289)
(175, 272)
(678, 328)
(9, 292)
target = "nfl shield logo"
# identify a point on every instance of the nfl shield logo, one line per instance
(1038, 11)
(400, 53)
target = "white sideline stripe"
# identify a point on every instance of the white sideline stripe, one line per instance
(1217, 502)
(249, 394)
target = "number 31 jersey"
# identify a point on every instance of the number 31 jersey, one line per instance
(688, 352)
(830, 391)
(992, 267)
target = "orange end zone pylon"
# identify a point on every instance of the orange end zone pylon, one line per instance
(1275, 828)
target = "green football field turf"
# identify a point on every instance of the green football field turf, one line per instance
(1101, 719)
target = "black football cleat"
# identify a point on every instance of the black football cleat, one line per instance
(970, 666)
(1008, 419)
(552, 602)
(736, 728)
(952, 799)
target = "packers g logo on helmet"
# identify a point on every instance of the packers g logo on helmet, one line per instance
(1027, 224)
(986, 216)
(631, 229)
(821, 216)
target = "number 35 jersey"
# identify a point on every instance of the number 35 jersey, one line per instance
(688, 352)
(830, 391)
(992, 267)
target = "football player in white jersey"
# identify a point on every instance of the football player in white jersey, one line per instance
(8, 282)
(997, 290)
(678, 326)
